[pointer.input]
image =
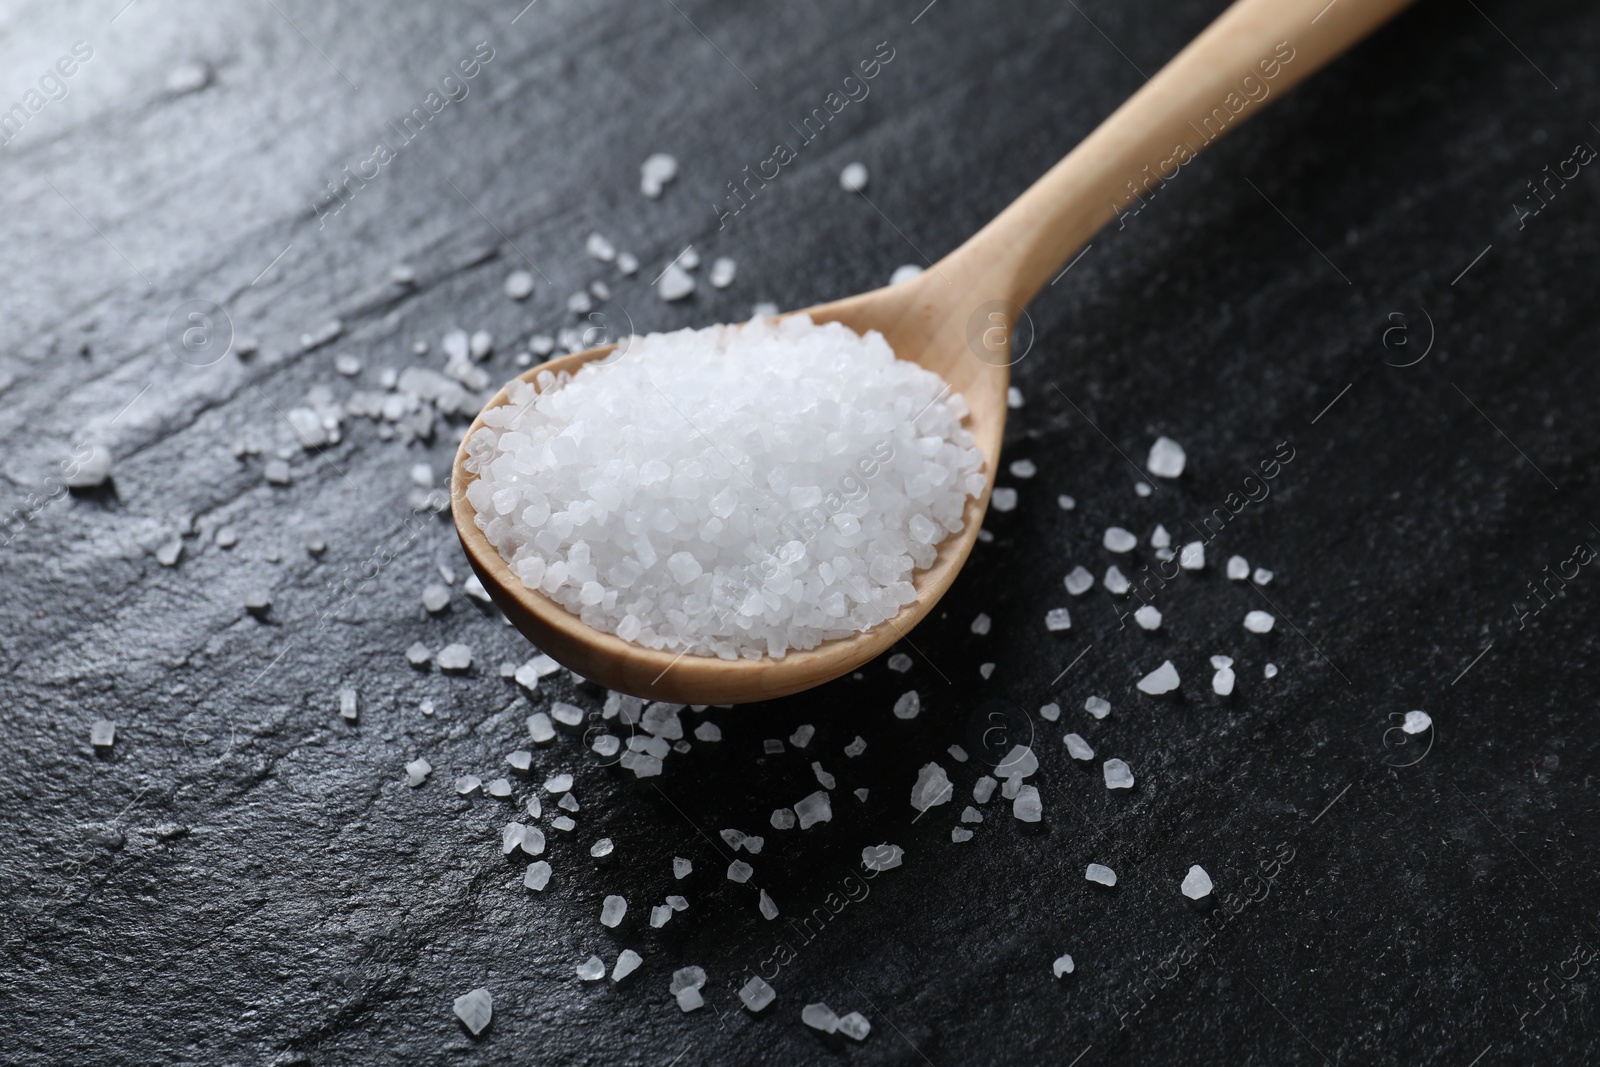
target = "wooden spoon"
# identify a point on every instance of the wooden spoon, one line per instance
(956, 319)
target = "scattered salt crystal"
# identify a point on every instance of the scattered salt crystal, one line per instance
(856, 747)
(1062, 965)
(815, 808)
(659, 916)
(1238, 568)
(687, 978)
(1197, 883)
(1219, 662)
(1099, 872)
(1057, 619)
(1259, 622)
(1099, 707)
(1050, 712)
(959, 834)
(474, 588)
(349, 704)
(986, 669)
(675, 283)
(661, 720)
(558, 783)
(1011, 787)
(169, 554)
(1271, 670)
(606, 746)
(602, 848)
(1065, 502)
(907, 705)
(563, 823)
(783, 819)
(1148, 617)
(905, 273)
(1027, 807)
(1262, 576)
(882, 857)
(592, 969)
(1222, 682)
(1164, 679)
(981, 624)
(1078, 748)
(1416, 722)
(1116, 582)
(853, 178)
(598, 247)
(900, 663)
(932, 788)
(677, 903)
(540, 729)
(734, 838)
(681, 868)
(971, 814)
(1166, 458)
(723, 270)
(435, 598)
(499, 788)
(455, 657)
(855, 1025)
(820, 1017)
(276, 472)
(511, 837)
(802, 735)
(627, 263)
(983, 789)
(1142, 489)
(475, 1009)
(708, 732)
(418, 655)
(1023, 468)
(1079, 581)
(533, 840)
(519, 285)
(1193, 556)
(1019, 762)
(568, 802)
(657, 170)
(417, 771)
(1118, 774)
(627, 963)
(756, 993)
(690, 259)
(1116, 539)
(1004, 499)
(613, 910)
(957, 753)
(537, 876)
(103, 734)
(861, 795)
(690, 1000)
(825, 779)
(769, 910)
(226, 537)
(772, 746)
(740, 871)
(1160, 538)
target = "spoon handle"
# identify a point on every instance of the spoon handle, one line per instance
(1253, 52)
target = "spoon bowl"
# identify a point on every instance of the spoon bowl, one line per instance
(956, 320)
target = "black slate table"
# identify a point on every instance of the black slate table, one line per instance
(1377, 277)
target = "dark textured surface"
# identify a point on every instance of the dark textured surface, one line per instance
(318, 910)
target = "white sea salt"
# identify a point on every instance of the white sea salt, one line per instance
(985, 670)
(742, 537)
(959, 834)
(981, 624)
(1238, 568)
(1116, 582)
(853, 178)
(769, 910)
(533, 839)
(1099, 872)
(592, 969)
(824, 779)
(1416, 722)
(1193, 556)
(820, 1017)
(1270, 671)
(1079, 581)
(983, 789)
(1259, 622)
(1222, 682)
(417, 772)
(103, 735)
(563, 823)
(602, 848)
(657, 170)
(540, 729)
(907, 705)
(932, 788)
(1166, 458)
(1099, 707)
(1003, 499)
(722, 273)
(1078, 748)
(1050, 712)
(1116, 539)
(1062, 965)
(1197, 883)
(1262, 576)
(900, 663)
(1057, 619)
(681, 868)
(537, 876)
(349, 704)
(813, 809)
(855, 1026)
(756, 993)
(802, 735)
(1164, 679)
(627, 963)
(613, 910)
(659, 916)
(454, 657)
(675, 283)
(677, 903)
(882, 857)
(1148, 617)
(1027, 807)
(856, 747)
(475, 1009)
(1118, 775)
(1065, 502)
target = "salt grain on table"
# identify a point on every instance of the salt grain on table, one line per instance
(568, 802)
(1062, 965)
(602, 848)
(1197, 883)
(1118, 774)
(756, 994)
(1116, 582)
(740, 871)
(1099, 872)
(1271, 670)
(1027, 806)
(900, 663)
(592, 969)
(681, 868)
(907, 705)
(418, 655)
(802, 735)
(722, 273)
(537, 876)
(349, 707)
(983, 789)
(1262, 576)
(417, 771)
(1099, 707)
(1166, 459)
(882, 857)
(769, 910)
(1238, 568)
(855, 1026)
(612, 911)
(540, 729)
(558, 783)
(103, 734)
(856, 747)
(1193, 556)
(1164, 679)
(1116, 539)
(932, 788)
(824, 779)
(853, 178)
(1222, 682)
(627, 963)
(475, 1009)
(532, 840)
(960, 834)
(1416, 722)
(1003, 499)
(454, 657)
(708, 732)
(659, 916)
(1078, 748)
(1259, 622)
(1050, 712)
(820, 1017)
(1057, 619)
(783, 819)
(1079, 581)
(1148, 617)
